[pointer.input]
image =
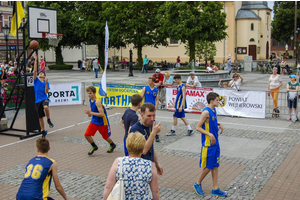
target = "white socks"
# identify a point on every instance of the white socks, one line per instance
(189, 127)
(173, 128)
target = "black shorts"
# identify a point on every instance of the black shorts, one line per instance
(292, 104)
(40, 107)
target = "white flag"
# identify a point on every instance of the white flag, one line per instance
(102, 90)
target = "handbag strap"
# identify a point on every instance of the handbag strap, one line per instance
(121, 171)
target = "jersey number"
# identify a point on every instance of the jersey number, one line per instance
(35, 173)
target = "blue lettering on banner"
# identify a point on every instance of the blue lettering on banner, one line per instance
(112, 100)
(124, 100)
(118, 97)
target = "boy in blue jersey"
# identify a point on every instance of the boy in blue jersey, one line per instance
(38, 175)
(210, 154)
(99, 122)
(151, 95)
(130, 117)
(41, 87)
(180, 105)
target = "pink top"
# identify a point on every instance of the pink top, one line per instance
(43, 64)
(178, 60)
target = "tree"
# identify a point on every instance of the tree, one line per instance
(204, 50)
(284, 20)
(134, 22)
(191, 21)
(91, 25)
(65, 10)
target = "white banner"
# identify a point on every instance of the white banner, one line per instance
(241, 103)
(64, 94)
(195, 98)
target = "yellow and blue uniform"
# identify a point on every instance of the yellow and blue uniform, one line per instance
(100, 124)
(150, 95)
(37, 179)
(210, 154)
(178, 102)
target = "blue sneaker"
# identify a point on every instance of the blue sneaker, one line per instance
(219, 193)
(198, 189)
(44, 133)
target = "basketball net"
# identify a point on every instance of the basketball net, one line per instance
(53, 38)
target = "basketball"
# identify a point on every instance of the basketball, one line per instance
(34, 44)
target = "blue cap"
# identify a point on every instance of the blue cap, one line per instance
(293, 76)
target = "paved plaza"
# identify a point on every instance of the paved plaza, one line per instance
(260, 158)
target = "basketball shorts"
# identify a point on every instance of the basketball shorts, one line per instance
(210, 157)
(179, 114)
(103, 130)
(40, 107)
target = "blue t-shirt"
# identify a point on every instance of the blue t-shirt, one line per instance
(37, 180)
(211, 127)
(170, 79)
(146, 131)
(146, 61)
(130, 118)
(179, 97)
(150, 95)
(100, 121)
(39, 90)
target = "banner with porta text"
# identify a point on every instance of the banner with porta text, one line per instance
(241, 103)
(195, 98)
(118, 94)
(64, 94)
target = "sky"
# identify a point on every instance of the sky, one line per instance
(270, 5)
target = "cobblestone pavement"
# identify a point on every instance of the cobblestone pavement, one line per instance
(83, 177)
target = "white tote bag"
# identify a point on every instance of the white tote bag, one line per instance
(118, 192)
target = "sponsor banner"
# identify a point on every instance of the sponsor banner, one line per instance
(118, 95)
(64, 94)
(241, 103)
(195, 98)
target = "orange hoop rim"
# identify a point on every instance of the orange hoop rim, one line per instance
(44, 35)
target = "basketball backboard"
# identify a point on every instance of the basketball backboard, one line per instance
(41, 20)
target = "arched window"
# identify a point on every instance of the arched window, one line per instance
(252, 40)
(252, 27)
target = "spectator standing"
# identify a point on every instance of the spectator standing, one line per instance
(193, 81)
(292, 89)
(236, 81)
(130, 117)
(168, 80)
(159, 79)
(228, 65)
(43, 65)
(145, 66)
(275, 82)
(178, 62)
(124, 63)
(278, 60)
(96, 67)
(140, 175)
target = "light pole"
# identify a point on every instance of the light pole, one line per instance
(6, 33)
(297, 43)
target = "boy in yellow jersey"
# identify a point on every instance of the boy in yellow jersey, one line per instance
(39, 172)
(99, 122)
(210, 154)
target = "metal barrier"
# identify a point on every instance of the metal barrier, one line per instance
(282, 105)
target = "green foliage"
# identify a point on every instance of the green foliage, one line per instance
(91, 26)
(134, 22)
(60, 67)
(290, 56)
(65, 12)
(284, 20)
(203, 50)
(191, 21)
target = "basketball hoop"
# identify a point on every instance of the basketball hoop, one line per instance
(53, 38)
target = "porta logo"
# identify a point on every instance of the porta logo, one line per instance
(222, 101)
(74, 92)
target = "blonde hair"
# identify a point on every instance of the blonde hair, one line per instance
(135, 143)
(167, 74)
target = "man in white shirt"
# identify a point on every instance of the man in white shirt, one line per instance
(193, 81)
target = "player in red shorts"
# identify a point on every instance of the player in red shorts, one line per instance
(99, 122)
